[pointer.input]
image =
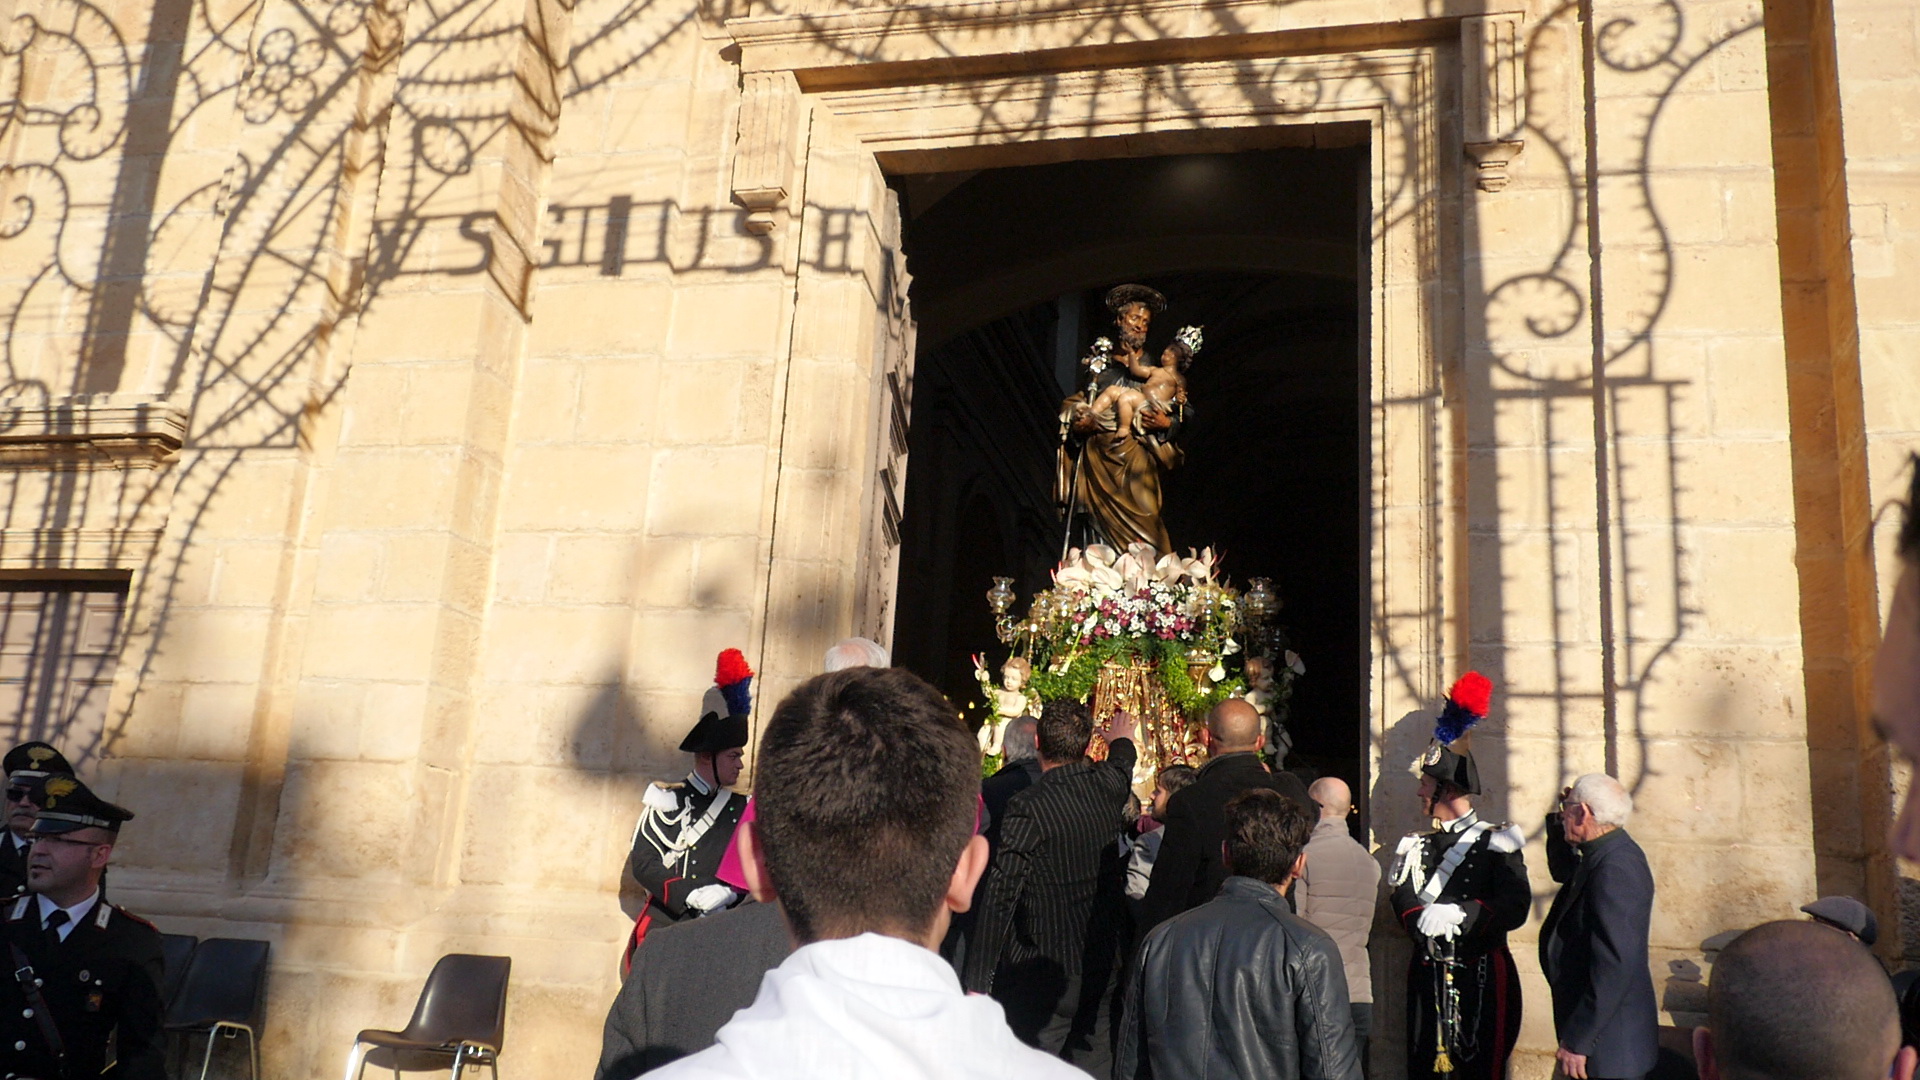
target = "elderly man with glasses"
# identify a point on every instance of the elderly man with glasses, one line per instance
(27, 767)
(84, 972)
(1593, 946)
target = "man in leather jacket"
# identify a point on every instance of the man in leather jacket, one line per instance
(1240, 987)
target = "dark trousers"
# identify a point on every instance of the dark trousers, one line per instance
(1063, 1013)
(1362, 1029)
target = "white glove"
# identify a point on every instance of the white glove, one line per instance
(710, 898)
(1442, 920)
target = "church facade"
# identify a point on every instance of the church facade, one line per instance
(407, 399)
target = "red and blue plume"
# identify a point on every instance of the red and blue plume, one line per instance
(1467, 705)
(735, 680)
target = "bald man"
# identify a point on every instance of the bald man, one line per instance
(1796, 1001)
(1189, 872)
(1337, 892)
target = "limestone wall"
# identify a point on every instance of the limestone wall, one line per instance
(530, 353)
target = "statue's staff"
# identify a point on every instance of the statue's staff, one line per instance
(1095, 362)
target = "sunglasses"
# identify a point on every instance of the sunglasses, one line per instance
(19, 794)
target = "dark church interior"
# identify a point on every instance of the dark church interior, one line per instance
(1263, 249)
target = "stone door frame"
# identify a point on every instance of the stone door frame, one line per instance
(921, 118)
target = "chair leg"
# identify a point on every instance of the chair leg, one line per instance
(357, 1062)
(459, 1060)
(253, 1053)
(206, 1062)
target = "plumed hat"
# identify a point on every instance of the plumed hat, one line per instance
(724, 710)
(35, 761)
(1120, 296)
(65, 804)
(1467, 705)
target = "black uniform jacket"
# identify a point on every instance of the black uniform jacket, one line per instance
(102, 981)
(687, 981)
(1237, 988)
(13, 865)
(669, 883)
(1490, 885)
(1058, 885)
(1593, 950)
(1188, 870)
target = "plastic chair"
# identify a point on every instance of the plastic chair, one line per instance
(177, 950)
(220, 992)
(460, 1020)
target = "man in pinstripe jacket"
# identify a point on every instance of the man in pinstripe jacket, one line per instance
(1053, 929)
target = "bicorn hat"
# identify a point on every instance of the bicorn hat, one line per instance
(724, 710)
(1467, 705)
(65, 804)
(35, 761)
(1120, 296)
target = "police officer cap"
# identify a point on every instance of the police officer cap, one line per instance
(1846, 913)
(1450, 766)
(65, 804)
(32, 760)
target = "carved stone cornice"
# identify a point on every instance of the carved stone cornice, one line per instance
(841, 46)
(101, 431)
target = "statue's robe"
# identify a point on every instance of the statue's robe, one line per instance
(1118, 481)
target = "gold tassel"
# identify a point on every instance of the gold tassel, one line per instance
(1441, 1062)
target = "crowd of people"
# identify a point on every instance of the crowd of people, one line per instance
(876, 909)
(890, 914)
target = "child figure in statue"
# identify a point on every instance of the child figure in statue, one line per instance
(1009, 700)
(1162, 387)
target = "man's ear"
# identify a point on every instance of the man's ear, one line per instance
(966, 874)
(1903, 1063)
(1710, 1069)
(753, 863)
(1300, 865)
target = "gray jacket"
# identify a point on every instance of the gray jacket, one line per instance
(1337, 893)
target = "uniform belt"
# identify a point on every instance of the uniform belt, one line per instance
(42, 1016)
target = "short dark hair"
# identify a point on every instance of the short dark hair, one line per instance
(1266, 832)
(867, 785)
(1066, 727)
(1176, 777)
(1800, 1001)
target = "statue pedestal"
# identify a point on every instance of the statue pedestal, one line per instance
(1165, 736)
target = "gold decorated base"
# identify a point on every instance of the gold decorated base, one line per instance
(1165, 737)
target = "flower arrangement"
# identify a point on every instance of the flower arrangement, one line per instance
(1170, 612)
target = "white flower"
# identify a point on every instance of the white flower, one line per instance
(1295, 664)
(1217, 673)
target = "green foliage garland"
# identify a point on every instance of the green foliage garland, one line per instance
(1168, 659)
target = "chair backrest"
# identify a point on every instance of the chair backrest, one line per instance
(223, 982)
(175, 950)
(464, 1000)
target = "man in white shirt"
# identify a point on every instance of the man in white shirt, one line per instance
(867, 797)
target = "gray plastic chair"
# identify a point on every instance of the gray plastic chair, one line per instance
(220, 994)
(460, 1020)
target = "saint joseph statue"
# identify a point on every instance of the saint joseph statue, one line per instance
(1109, 473)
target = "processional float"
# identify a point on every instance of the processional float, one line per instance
(1127, 622)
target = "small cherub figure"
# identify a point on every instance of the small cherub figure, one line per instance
(1164, 386)
(1009, 700)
